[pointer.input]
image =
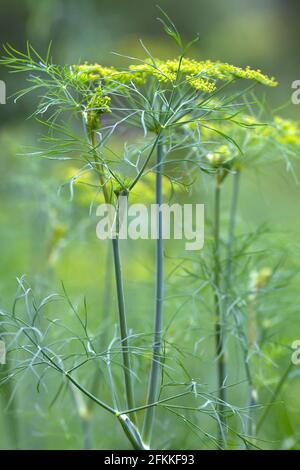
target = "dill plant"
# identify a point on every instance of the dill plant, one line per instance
(188, 114)
(257, 139)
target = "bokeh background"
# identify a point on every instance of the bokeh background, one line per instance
(33, 216)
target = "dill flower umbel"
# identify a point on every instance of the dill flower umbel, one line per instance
(287, 131)
(97, 105)
(259, 279)
(200, 75)
(220, 158)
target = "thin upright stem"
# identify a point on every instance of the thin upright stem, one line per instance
(219, 330)
(122, 319)
(274, 396)
(107, 297)
(131, 432)
(252, 399)
(153, 385)
(84, 416)
(10, 412)
(251, 428)
(230, 238)
(228, 278)
(252, 395)
(129, 393)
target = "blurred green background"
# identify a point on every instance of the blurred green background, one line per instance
(259, 33)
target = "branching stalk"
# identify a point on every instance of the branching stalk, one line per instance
(229, 280)
(153, 385)
(230, 239)
(274, 396)
(84, 416)
(120, 296)
(219, 330)
(122, 319)
(8, 397)
(127, 424)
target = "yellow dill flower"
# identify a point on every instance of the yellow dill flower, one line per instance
(99, 102)
(216, 71)
(251, 120)
(201, 84)
(259, 279)
(93, 71)
(224, 71)
(97, 105)
(57, 236)
(221, 157)
(283, 131)
(287, 131)
(127, 77)
(59, 231)
(160, 72)
(201, 75)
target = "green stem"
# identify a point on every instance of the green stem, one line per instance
(84, 416)
(10, 414)
(87, 433)
(129, 427)
(219, 330)
(252, 399)
(228, 282)
(130, 402)
(229, 252)
(274, 397)
(106, 298)
(230, 239)
(155, 369)
(103, 342)
(132, 432)
(122, 319)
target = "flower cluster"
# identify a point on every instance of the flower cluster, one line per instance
(97, 105)
(201, 75)
(284, 131)
(221, 157)
(259, 279)
(252, 135)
